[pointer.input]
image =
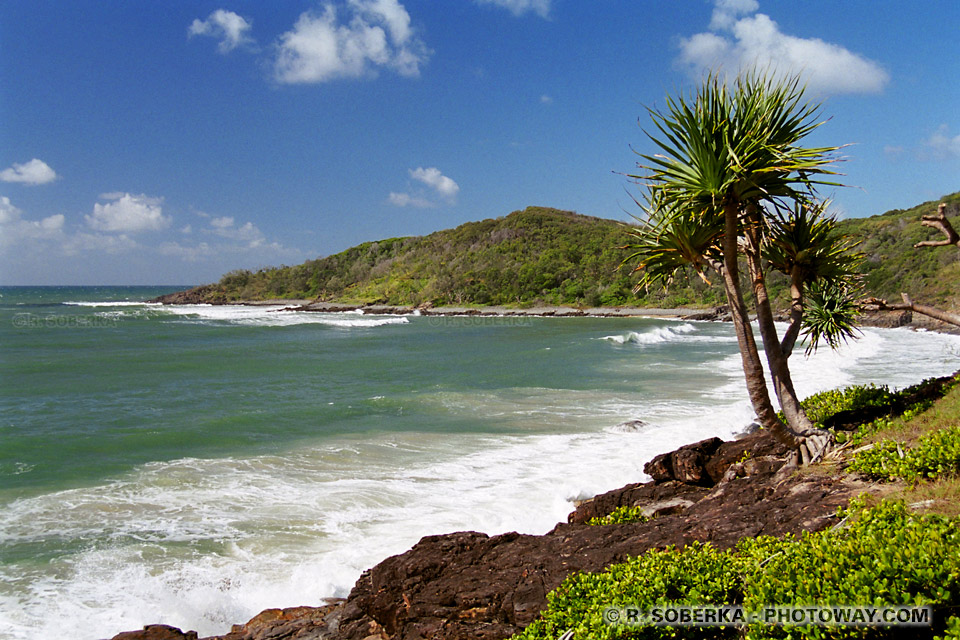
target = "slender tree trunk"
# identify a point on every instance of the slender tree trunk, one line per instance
(796, 313)
(797, 421)
(750, 357)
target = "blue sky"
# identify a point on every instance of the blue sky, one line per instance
(169, 142)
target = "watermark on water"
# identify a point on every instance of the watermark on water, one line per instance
(479, 321)
(55, 321)
(669, 615)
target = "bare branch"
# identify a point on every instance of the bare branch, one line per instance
(877, 304)
(939, 221)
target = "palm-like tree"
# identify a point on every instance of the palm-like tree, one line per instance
(731, 179)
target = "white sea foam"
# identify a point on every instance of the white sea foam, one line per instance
(124, 303)
(205, 543)
(656, 335)
(271, 316)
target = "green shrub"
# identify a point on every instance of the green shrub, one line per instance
(884, 555)
(825, 404)
(934, 455)
(621, 515)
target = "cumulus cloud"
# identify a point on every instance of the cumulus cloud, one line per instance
(372, 34)
(126, 213)
(432, 177)
(943, 144)
(14, 229)
(231, 29)
(740, 38)
(519, 7)
(407, 200)
(83, 242)
(440, 185)
(247, 234)
(30, 173)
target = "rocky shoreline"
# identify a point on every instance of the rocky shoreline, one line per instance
(470, 585)
(882, 319)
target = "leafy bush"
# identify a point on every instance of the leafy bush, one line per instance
(821, 406)
(934, 455)
(885, 555)
(621, 515)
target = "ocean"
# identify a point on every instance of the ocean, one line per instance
(194, 465)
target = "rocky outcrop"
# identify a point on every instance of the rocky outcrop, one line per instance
(205, 294)
(471, 585)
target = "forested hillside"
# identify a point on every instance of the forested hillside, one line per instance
(892, 265)
(537, 255)
(547, 256)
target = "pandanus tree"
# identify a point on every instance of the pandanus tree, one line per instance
(731, 181)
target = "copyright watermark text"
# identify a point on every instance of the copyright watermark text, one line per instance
(54, 321)
(728, 616)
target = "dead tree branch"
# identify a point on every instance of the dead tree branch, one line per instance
(939, 221)
(877, 304)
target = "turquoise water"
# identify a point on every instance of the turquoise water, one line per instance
(194, 465)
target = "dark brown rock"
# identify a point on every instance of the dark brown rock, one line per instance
(635, 495)
(156, 632)
(294, 623)
(686, 464)
(205, 294)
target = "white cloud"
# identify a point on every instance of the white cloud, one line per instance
(128, 214)
(442, 187)
(375, 34)
(186, 253)
(221, 223)
(519, 7)
(739, 38)
(726, 12)
(439, 182)
(14, 229)
(8, 212)
(545, 99)
(407, 200)
(82, 242)
(30, 173)
(248, 233)
(232, 30)
(943, 144)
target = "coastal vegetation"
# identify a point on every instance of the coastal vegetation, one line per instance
(897, 550)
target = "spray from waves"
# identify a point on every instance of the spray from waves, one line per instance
(865, 360)
(205, 543)
(124, 303)
(653, 336)
(240, 315)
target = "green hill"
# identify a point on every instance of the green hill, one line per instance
(891, 266)
(534, 256)
(547, 256)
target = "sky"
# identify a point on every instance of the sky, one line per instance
(169, 142)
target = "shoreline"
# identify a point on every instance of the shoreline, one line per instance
(545, 311)
(879, 319)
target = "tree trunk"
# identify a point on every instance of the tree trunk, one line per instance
(798, 423)
(796, 313)
(750, 357)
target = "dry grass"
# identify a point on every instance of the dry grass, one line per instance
(941, 497)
